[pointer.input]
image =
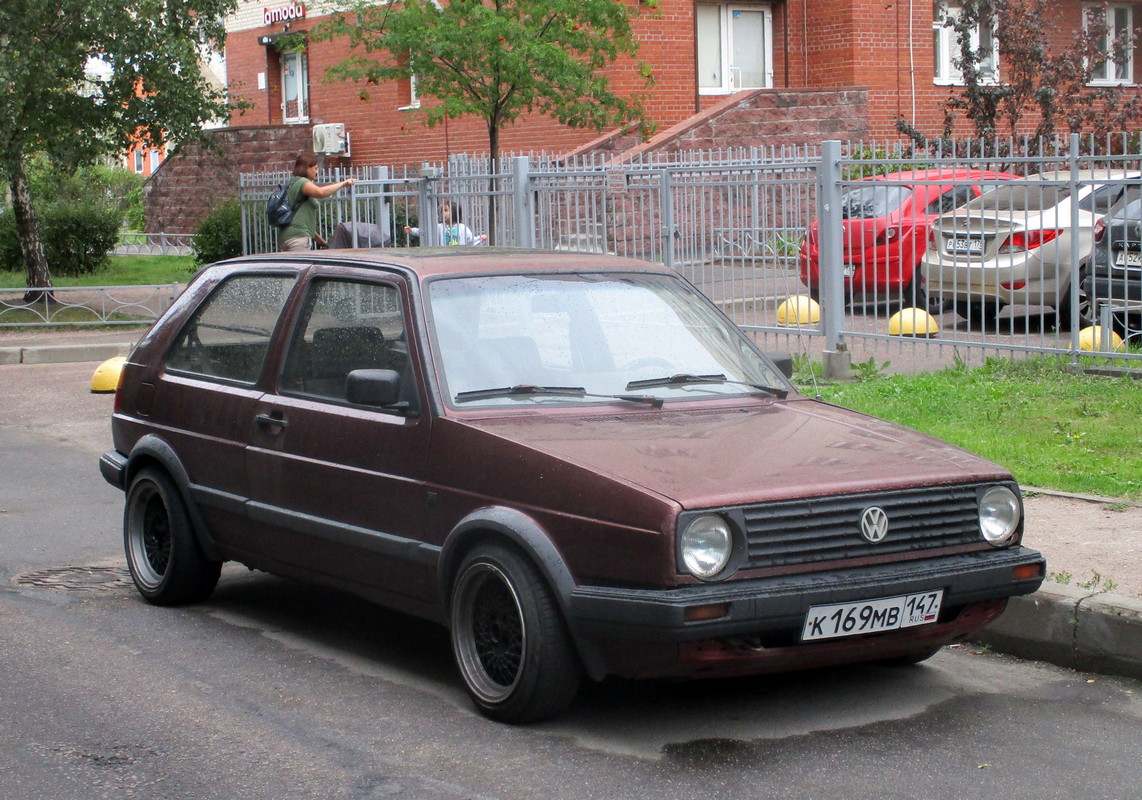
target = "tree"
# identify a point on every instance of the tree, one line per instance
(1050, 86)
(149, 86)
(499, 59)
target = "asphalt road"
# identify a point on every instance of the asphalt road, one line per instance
(275, 690)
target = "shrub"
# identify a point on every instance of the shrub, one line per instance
(77, 236)
(219, 235)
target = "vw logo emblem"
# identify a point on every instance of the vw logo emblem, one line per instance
(874, 524)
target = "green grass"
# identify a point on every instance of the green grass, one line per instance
(1052, 429)
(123, 271)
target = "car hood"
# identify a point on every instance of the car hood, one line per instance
(764, 451)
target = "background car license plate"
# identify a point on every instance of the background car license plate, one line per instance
(965, 245)
(1128, 258)
(872, 616)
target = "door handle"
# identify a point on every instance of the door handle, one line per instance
(272, 420)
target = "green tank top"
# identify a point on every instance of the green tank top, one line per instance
(305, 217)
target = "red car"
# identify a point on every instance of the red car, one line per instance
(886, 220)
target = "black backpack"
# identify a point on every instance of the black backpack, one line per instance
(279, 213)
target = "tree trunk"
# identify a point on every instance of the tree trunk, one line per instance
(493, 162)
(36, 270)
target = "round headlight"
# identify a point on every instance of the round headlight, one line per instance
(998, 515)
(706, 544)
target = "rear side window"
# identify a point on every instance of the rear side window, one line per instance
(229, 336)
(951, 199)
(876, 200)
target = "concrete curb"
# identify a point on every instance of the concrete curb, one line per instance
(1072, 627)
(63, 353)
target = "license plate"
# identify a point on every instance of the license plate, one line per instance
(1128, 258)
(872, 616)
(849, 270)
(958, 245)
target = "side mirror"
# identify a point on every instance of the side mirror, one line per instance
(374, 387)
(784, 362)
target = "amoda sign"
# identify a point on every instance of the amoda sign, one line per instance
(272, 16)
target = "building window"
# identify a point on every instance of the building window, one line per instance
(410, 98)
(947, 49)
(295, 86)
(734, 48)
(1116, 42)
(139, 163)
(156, 159)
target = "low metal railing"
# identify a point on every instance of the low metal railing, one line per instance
(85, 305)
(153, 244)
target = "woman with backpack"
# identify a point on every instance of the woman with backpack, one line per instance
(304, 197)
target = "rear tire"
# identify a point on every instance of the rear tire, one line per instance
(162, 554)
(509, 638)
(982, 313)
(1063, 319)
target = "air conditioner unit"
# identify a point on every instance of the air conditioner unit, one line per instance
(330, 139)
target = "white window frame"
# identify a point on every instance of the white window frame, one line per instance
(413, 95)
(300, 60)
(947, 49)
(725, 24)
(1106, 73)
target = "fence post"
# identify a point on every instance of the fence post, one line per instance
(522, 203)
(837, 359)
(244, 208)
(667, 204)
(1073, 295)
(426, 211)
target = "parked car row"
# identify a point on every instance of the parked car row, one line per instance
(974, 242)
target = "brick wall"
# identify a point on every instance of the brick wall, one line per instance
(767, 118)
(196, 176)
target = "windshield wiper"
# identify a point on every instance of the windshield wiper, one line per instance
(527, 389)
(686, 379)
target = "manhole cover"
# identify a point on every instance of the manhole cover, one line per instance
(81, 579)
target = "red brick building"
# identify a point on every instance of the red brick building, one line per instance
(897, 51)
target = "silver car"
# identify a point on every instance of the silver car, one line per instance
(1015, 245)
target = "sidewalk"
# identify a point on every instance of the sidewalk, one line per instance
(1087, 615)
(51, 346)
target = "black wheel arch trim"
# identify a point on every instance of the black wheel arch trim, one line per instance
(527, 534)
(153, 449)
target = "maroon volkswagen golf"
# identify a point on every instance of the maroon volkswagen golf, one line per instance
(575, 462)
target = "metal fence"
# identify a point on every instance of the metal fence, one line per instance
(734, 222)
(153, 244)
(85, 305)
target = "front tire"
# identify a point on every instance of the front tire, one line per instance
(509, 638)
(164, 559)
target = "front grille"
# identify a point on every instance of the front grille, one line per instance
(828, 528)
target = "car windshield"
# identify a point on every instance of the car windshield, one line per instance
(874, 200)
(1023, 196)
(587, 338)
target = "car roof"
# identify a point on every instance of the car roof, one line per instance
(931, 175)
(431, 262)
(1083, 175)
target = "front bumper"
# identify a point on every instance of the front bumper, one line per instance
(770, 612)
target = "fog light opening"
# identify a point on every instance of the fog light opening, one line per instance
(702, 613)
